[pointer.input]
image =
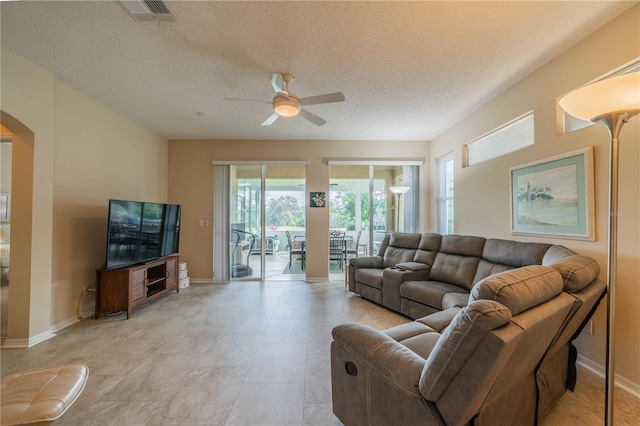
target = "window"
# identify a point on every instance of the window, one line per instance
(567, 123)
(445, 194)
(511, 136)
(361, 199)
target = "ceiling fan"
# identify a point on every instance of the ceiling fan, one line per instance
(286, 104)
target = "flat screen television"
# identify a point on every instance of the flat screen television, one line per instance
(139, 232)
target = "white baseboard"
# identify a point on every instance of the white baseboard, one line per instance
(27, 342)
(201, 281)
(64, 324)
(316, 279)
(620, 381)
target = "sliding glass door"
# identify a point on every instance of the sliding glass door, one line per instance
(266, 219)
(285, 221)
(246, 218)
(368, 201)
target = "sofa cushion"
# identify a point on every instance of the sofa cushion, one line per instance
(457, 343)
(408, 240)
(394, 255)
(519, 289)
(416, 336)
(577, 272)
(514, 253)
(440, 320)
(429, 293)
(422, 344)
(402, 248)
(370, 277)
(427, 249)
(555, 253)
(457, 260)
(408, 330)
(454, 269)
(455, 300)
(486, 268)
(463, 245)
(502, 255)
(430, 242)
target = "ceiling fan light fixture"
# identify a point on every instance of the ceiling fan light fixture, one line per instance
(286, 107)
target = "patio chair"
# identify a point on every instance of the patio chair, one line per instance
(298, 251)
(353, 251)
(337, 248)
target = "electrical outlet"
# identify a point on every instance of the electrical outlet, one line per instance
(588, 327)
(203, 223)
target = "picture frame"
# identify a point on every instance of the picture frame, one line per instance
(317, 199)
(554, 197)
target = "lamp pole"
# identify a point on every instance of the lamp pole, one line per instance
(613, 122)
(611, 102)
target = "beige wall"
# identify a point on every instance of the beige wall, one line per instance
(191, 184)
(70, 155)
(480, 214)
(27, 107)
(98, 155)
(5, 158)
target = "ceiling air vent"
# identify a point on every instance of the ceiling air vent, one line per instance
(149, 11)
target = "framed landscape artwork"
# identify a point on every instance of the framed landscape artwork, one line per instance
(554, 197)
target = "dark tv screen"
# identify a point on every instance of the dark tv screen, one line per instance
(139, 232)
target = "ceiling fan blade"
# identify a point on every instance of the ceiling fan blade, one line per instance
(323, 99)
(278, 83)
(255, 101)
(269, 121)
(311, 117)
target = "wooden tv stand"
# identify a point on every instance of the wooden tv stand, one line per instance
(128, 288)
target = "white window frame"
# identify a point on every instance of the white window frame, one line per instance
(443, 198)
(512, 136)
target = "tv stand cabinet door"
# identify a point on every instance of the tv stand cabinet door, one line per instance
(137, 292)
(112, 291)
(172, 273)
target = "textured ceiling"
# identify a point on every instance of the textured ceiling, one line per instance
(409, 70)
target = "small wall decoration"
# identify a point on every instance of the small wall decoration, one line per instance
(554, 197)
(316, 199)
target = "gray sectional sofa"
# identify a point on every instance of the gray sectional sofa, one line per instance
(491, 343)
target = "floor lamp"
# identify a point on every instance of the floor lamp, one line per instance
(398, 190)
(612, 103)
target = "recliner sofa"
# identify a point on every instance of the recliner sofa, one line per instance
(437, 276)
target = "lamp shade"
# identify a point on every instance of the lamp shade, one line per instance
(398, 190)
(615, 94)
(286, 107)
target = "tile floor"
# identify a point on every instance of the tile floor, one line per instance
(245, 353)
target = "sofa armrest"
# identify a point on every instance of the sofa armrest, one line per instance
(393, 278)
(392, 360)
(366, 262)
(413, 266)
(374, 262)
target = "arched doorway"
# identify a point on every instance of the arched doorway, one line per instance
(22, 319)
